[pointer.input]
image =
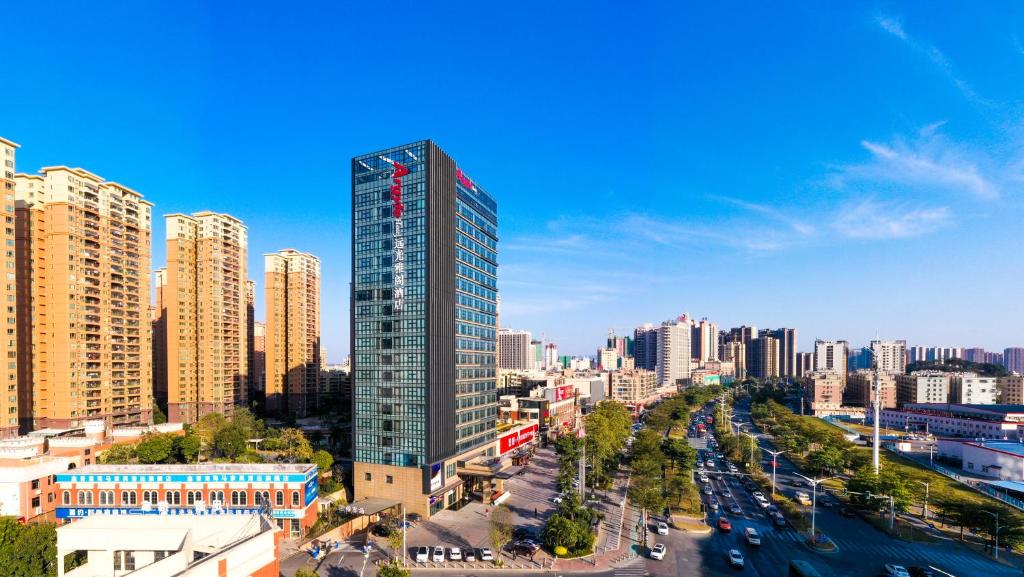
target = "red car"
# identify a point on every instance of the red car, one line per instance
(724, 524)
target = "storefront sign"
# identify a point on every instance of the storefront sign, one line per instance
(436, 476)
(517, 439)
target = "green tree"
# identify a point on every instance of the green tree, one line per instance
(154, 449)
(230, 441)
(392, 569)
(561, 532)
(159, 417)
(308, 572)
(323, 461)
(208, 427)
(250, 426)
(27, 550)
(827, 460)
(187, 447)
(500, 531)
(119, 454)
(295, 446)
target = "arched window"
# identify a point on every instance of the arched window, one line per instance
(261, 498)
(66, 499)
(238, 498)
(106, 497)
(173, 498)
(280, 498)
(295, 498)
(129, 498)
(217, 496)
(85, 497)
(193, 496)
(150, 497)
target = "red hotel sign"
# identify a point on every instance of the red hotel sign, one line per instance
(517, 439)
(396, 188)
(564, 392)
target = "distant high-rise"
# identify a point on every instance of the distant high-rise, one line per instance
(253, 393)
(537, 353)
(704, 341)
(206, 324)
(744, 334)
(85, 336)
(674, 352)
(15, 406)
(645, 346)
(258, 370)
(975, 355)
(608, 358)
(916, 354)
(293, 331)
(514, 351)
(550, 356)
(764, 357)
(158, 320)
(830, 356)
(858, 359)
(804, 364)
(787, 351)
(1013, 359)
(735, 352)
(889, 356)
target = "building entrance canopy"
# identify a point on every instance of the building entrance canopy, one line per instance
(370, 506)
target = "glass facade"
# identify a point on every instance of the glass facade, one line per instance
(392, 387)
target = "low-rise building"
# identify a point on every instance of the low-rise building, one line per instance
(991, 458)
(860, 389)
(28, 487)
(972, 389)
(201, 489)
(825, 389)
(922, 387)
(164, 545)
(952, 420)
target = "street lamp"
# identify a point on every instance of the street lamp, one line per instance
(775, 458)
(737, 426)
(996, 515)
(753, 441)
(892, 507)
(814, 499)
(926, 488)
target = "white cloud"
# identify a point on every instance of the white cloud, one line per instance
(800, 227)
(930, 162)
(892, 26)
(871, 219)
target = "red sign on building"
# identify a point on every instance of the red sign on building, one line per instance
(517, 439)
(564, 392)
(396, 188)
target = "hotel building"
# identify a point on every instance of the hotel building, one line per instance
(424, 327)
(83, 254)
(292, 331)
(205, 306)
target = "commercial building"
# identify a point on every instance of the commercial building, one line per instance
(704, 341)
(825, 390)
(922, 387)
(889, 356)
(424, 327)
(635, 386)
(171, 546)
(292, 331)
(514, 351)
(763, 357)
(1013, 359)
(83, 254)
(674, 352)
(206, 315)
(645, 347)
(1011, 389)
(830, 356)
(206, 489)
(972, 389)
(14, 406)
(860, 389)
(952, 420)
(999, 459)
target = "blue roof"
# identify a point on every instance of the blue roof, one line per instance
(1000, 445)
(1010, 485)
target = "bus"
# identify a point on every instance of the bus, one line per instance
(802, 569)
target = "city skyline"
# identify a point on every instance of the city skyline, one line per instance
(895, 188)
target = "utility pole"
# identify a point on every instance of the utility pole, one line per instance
(996, 515)
(753, 441)
(405, 548)
(775, 460)
(814, 499)
(926, 488)
(876, 436)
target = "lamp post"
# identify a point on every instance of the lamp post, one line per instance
(737, 426)
(996, 515)
(814, 499)
(405, 548)
(926, 488)
(892, 507)
(775, 458)
(753, 441)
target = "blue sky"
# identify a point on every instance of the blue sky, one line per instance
(849, 169)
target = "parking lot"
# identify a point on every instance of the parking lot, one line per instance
(529, 500)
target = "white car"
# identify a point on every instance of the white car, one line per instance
(422, 554)
(707, 489)
(726, 493)
(704, 478)
(455, 554)
(438, 555)
(556, 500)
(892, 570)
(486, 554)
(658, 552)
(714, 506)
(662, 528)
(752, 537)
(764, 503)
(710, 464)
(758, 495)
(735, 558)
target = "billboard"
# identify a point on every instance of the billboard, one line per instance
(517, 439)
(436, 476)
(564, 392)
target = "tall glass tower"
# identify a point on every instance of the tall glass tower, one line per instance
(424, 306)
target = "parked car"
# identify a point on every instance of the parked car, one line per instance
(557, 500)
(779, 520)
(658, 552)
(524, 547)
(920, 572)
(455, 554)
(470, 554)
(381, 530)
(422, 554)
(707, 489)
(438, 555)
(735, 558)
(735, 509)
(531, 533)
(758, 495)
(752, 537)
(893, 570)
(486, 554)
(724, 525)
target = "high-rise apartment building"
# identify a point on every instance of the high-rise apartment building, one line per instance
(825, 390)
(550, 356)
(787, 351)
(975, 355)
(764, 358)
(972, 389)
(860, 389)
(258, 369)
(538, 353)
(158, 320)
(916, 354)
(83, 258)
(674, 352)
(889, 356)
(830, 356)
(735, 352)
(922, 387)
(804, 364)
(645, 347)
(424, 327)
(632, 386)
(514, 353)
(704, 341)
(206, 315)
(252, 393)
(15, 408)
(1013, 359)
(293, 331)
(608, 359)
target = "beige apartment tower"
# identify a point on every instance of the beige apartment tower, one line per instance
(15, 408)
(205, 308)
(292, 331)
(83, 265)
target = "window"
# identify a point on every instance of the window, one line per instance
(295, 498)
(238, 498)
(390, 480)
(173, 497)
(369, 477)
(261, 498)
(129, 498)
(85, 497)
(106, 497)
(35, 484)
(149, 497)
(66, 498)
(35, 501)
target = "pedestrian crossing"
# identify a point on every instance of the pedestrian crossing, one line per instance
(635, 568)
(778, 546)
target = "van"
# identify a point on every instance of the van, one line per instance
(752, 537)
